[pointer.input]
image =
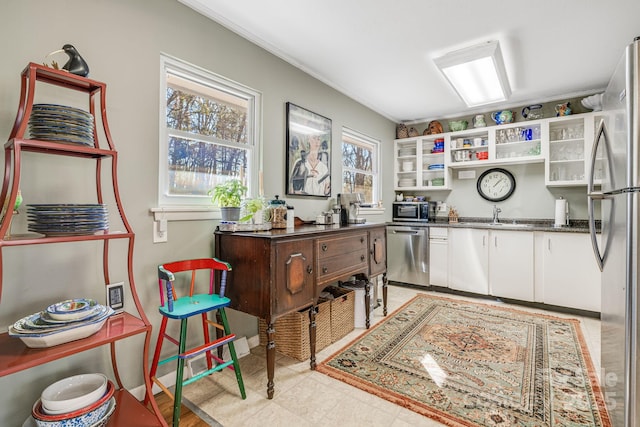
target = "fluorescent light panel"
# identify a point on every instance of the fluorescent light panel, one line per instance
(477, 74)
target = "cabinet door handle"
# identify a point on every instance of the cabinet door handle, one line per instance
(495, 241)
(484, 240)
(309, 269)
(325, 270)
(361, 239)
(324, 247)
(549, 244)
(362, 258)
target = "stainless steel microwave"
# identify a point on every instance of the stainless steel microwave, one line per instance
(414, 211)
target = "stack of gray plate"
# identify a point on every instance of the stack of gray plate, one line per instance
(67, 219)
(53, 122)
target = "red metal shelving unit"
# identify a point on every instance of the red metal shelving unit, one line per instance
(15, 356)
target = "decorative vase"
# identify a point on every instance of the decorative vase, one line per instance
(230, 213)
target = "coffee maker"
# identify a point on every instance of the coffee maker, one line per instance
(350, 206)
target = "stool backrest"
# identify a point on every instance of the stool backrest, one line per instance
(166, 275)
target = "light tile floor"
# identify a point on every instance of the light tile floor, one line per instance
(308, 398)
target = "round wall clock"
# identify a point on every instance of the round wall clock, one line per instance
(496, 184)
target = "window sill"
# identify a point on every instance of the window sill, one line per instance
(185, 213)
(371, 211)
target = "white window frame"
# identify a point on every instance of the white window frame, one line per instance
(376, 172)
(200, 207)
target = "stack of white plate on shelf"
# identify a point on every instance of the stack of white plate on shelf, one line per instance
(407, 151)
(67, 219)
(61, 123)
(407, 182)
(61, 322)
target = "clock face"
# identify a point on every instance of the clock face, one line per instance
(496, 184)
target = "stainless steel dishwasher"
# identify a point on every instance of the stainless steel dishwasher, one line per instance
(408, 254)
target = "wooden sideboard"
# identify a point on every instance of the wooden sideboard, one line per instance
(280, 271)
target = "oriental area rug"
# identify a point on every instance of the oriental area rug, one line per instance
(469, 364)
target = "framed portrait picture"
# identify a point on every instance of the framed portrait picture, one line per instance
(308, 153)
(115, 296)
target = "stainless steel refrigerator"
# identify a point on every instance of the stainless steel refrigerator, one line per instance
(616, 162)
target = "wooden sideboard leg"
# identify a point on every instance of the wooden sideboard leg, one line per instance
(312, 336)
(271, 357)
(367, 302)
(384, 293)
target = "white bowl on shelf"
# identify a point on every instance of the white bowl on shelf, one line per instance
(407, 166)
(72, 393)
(71, 309)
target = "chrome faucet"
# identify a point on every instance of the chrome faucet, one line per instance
(496, 211)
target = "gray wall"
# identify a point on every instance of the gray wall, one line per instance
(531, 199)
(122, 40)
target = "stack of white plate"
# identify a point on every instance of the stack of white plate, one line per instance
(67, 219)
(61, 322)
(407, 151)
(53, 122)
(407, 182)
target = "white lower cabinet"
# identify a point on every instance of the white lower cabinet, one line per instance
(438, 256)
(492, 262)
(511, 264)
(469, 263)
(555, 268)
(570, 276)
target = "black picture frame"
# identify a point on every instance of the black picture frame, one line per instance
(115, 296)
(308, 153)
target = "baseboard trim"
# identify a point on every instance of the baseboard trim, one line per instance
(242, 344)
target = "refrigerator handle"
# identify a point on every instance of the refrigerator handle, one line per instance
(600, 134)
(592, 196)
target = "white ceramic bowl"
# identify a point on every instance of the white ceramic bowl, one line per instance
(73, 393)
(71, 309)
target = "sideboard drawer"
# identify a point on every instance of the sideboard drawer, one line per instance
(342, 266)
(336, 246)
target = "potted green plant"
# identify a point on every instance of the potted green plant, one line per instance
(253, 209)
(228, 196)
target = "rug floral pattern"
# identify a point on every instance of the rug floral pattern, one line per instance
(468, 364)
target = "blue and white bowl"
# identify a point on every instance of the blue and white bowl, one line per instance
(89, 416)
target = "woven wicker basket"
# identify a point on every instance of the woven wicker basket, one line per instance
(402, 131)
(342, 311)
(292, 332)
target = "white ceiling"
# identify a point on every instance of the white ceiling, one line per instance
(379, 52)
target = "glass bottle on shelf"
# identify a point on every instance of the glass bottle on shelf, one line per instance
(519, 141)
(567, 152)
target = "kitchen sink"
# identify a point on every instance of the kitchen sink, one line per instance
(498, 225)
(510, 225)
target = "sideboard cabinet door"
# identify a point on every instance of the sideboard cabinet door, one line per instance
(294, 275)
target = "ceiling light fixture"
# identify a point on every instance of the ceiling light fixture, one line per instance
(477, 73)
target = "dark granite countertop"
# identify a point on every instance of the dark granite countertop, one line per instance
(514, 224)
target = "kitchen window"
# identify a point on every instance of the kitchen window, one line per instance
(360, 165)
(209, 133)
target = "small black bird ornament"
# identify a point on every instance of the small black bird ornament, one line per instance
(76, 64)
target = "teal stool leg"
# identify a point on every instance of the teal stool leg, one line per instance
(177, 402)
(232, 352)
